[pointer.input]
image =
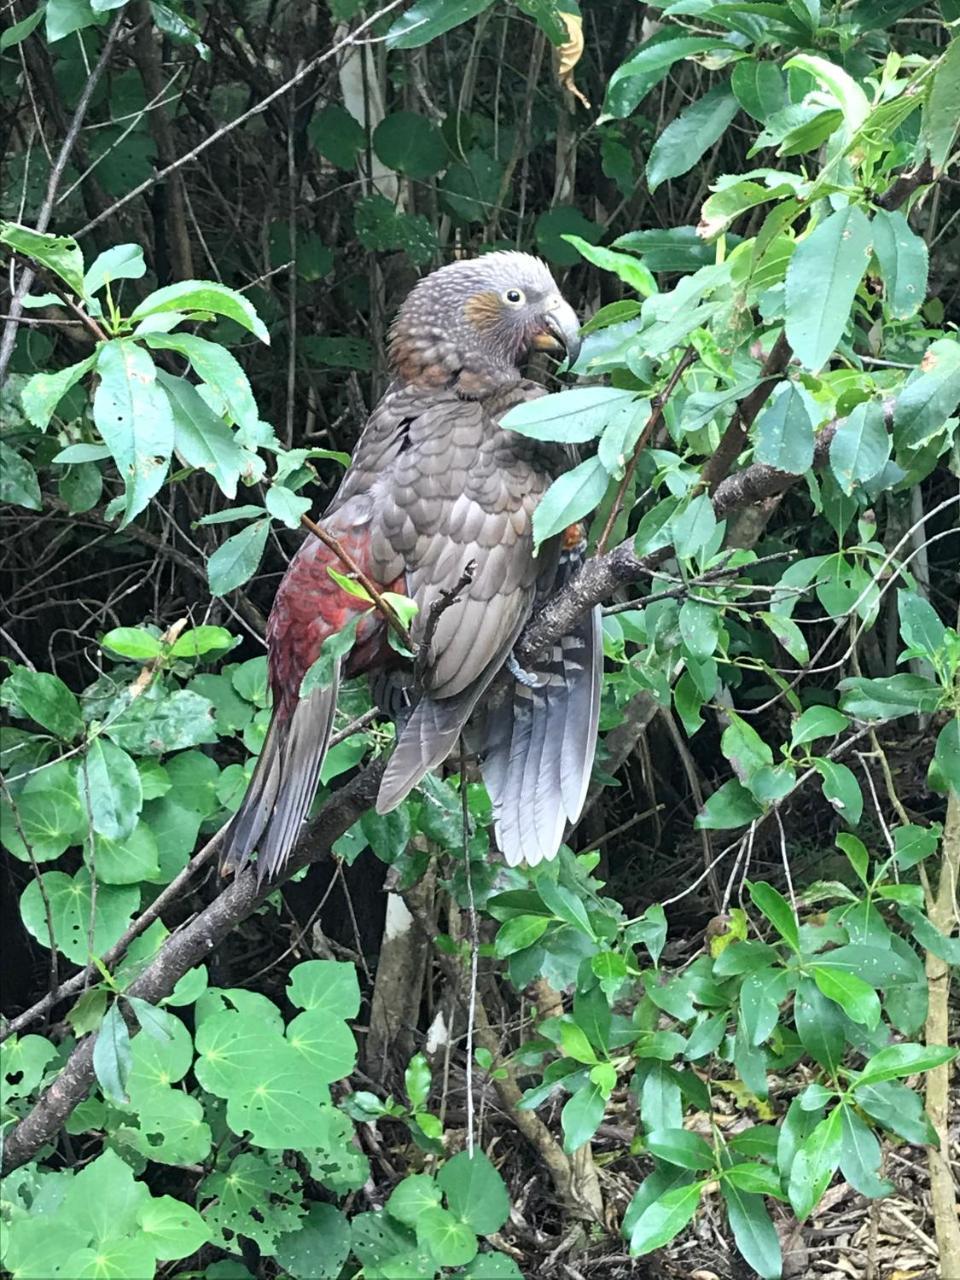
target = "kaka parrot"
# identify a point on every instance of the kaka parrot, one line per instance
(439, 494)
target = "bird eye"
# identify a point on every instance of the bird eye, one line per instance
(513, 296)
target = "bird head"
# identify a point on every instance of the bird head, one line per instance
(474, 322)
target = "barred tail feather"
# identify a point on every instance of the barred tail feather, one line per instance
(283, 785)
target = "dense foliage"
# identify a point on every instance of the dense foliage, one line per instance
(670, 1034)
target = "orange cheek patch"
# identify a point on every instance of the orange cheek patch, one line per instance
(573, 535)
(483, 310)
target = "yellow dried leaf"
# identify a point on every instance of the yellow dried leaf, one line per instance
(567, 56)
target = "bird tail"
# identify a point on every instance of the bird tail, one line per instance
(537, 744)
(426, 740)
(283, 785)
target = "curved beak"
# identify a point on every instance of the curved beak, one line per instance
(559, 332)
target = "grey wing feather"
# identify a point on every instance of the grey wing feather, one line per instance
(283, 785)
(537, 746)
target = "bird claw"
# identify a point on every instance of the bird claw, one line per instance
(526, 678)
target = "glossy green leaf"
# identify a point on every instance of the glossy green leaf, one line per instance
(903, 259)
(133, 416)
(680, 1147)
(629, 269)
(665, 1218)
(940, 112)
(753, 1230)
(785, 430)
(581, 1116)
(112, 1055)
(822, 278)
(815, 1164)
(690, 135)
(903, 1060)
(573, 496)
(203, 295)
(237, 560)
(475, 1192)
(44, 391)
(861, 446)
(109, 788)
(731, 805)
(59, 254)
(411, 144)
(759, 87)
(121, 262)
(778, 911)
(855, 997)
(45, 699)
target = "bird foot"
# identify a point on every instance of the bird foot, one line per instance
(526, 678)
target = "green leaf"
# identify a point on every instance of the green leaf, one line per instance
(109, 787)
(898, 1108)
(744, 748)
(283, 504)
(903, 259)
(44, 391)
(318, 1249)
(133, 417)
(903, 1060)
(815, 1164)
(50, 818)
(132, 642)
(581, 1115)
(930, 396)
(47, 700)
(690, 135)
(914, 843)
(861, 1156)
(59, 254)
(450, 1242)
(841, 788)
(237, 559)
(754, 1178)
(888, 697)
(571, 497)
(518, 934)
(629, 269)
(319, 674)
(20, 30)
(203, 295)
(201, 437)
(337, 135)
(128, 860)
(817, 722)
(940, 114)
(218, 368)
(700, 628)
(861, 447)
(427, 19)
(852, 100)
(411, 1197)
(475, 1192)
(731, 805)
(112, 1055)
(471, 187)
(759, 87)
(173, 1229)
(822, 277)
(920, 625)
(693, 526)
(121, 262)
(18, 480)
(201, 640)
(946, 754)
(753, 1231)
(670, 249)
(411, 144)
(71, 906)
(680, 1147)
(785, 429)
(778, 911)
(761, 995)
(665, 1218)
(633, 79)
(329, 986)
(570, 417)
(855, 997)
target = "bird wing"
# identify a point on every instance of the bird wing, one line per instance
(536, 742)
(461, 498)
